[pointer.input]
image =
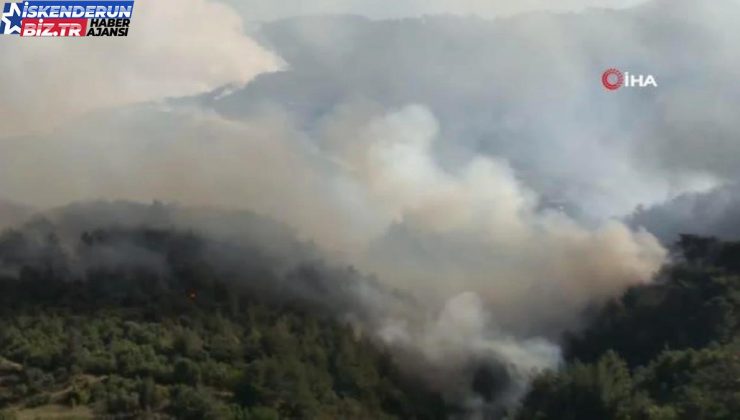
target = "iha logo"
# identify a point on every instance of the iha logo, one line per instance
(613, 79)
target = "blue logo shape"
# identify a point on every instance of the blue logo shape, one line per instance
(10, 24)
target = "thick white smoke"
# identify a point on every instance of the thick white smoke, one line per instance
(495, 274)
(498, 272)
(174, 48)
(461, 335)
(480, 229)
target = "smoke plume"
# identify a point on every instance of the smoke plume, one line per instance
(174, 48)
(476, 168)
(492, 274)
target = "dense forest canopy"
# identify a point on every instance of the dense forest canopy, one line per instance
(670, 350)
(148, 320)
(140, 323)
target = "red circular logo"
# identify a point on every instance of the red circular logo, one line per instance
(612, 79)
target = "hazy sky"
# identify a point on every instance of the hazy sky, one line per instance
(477, 163)
(261, 10)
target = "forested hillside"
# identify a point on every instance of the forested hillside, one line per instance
(170, 337)
(670, 350)
(164, 323)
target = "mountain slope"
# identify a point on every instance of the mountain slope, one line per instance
(142, 323)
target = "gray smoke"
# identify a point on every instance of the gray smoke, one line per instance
(712, 213)
(476, 165)
(392, 9)
(12, 214)
(46, 84)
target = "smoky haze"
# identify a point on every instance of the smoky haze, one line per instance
(475, 165)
